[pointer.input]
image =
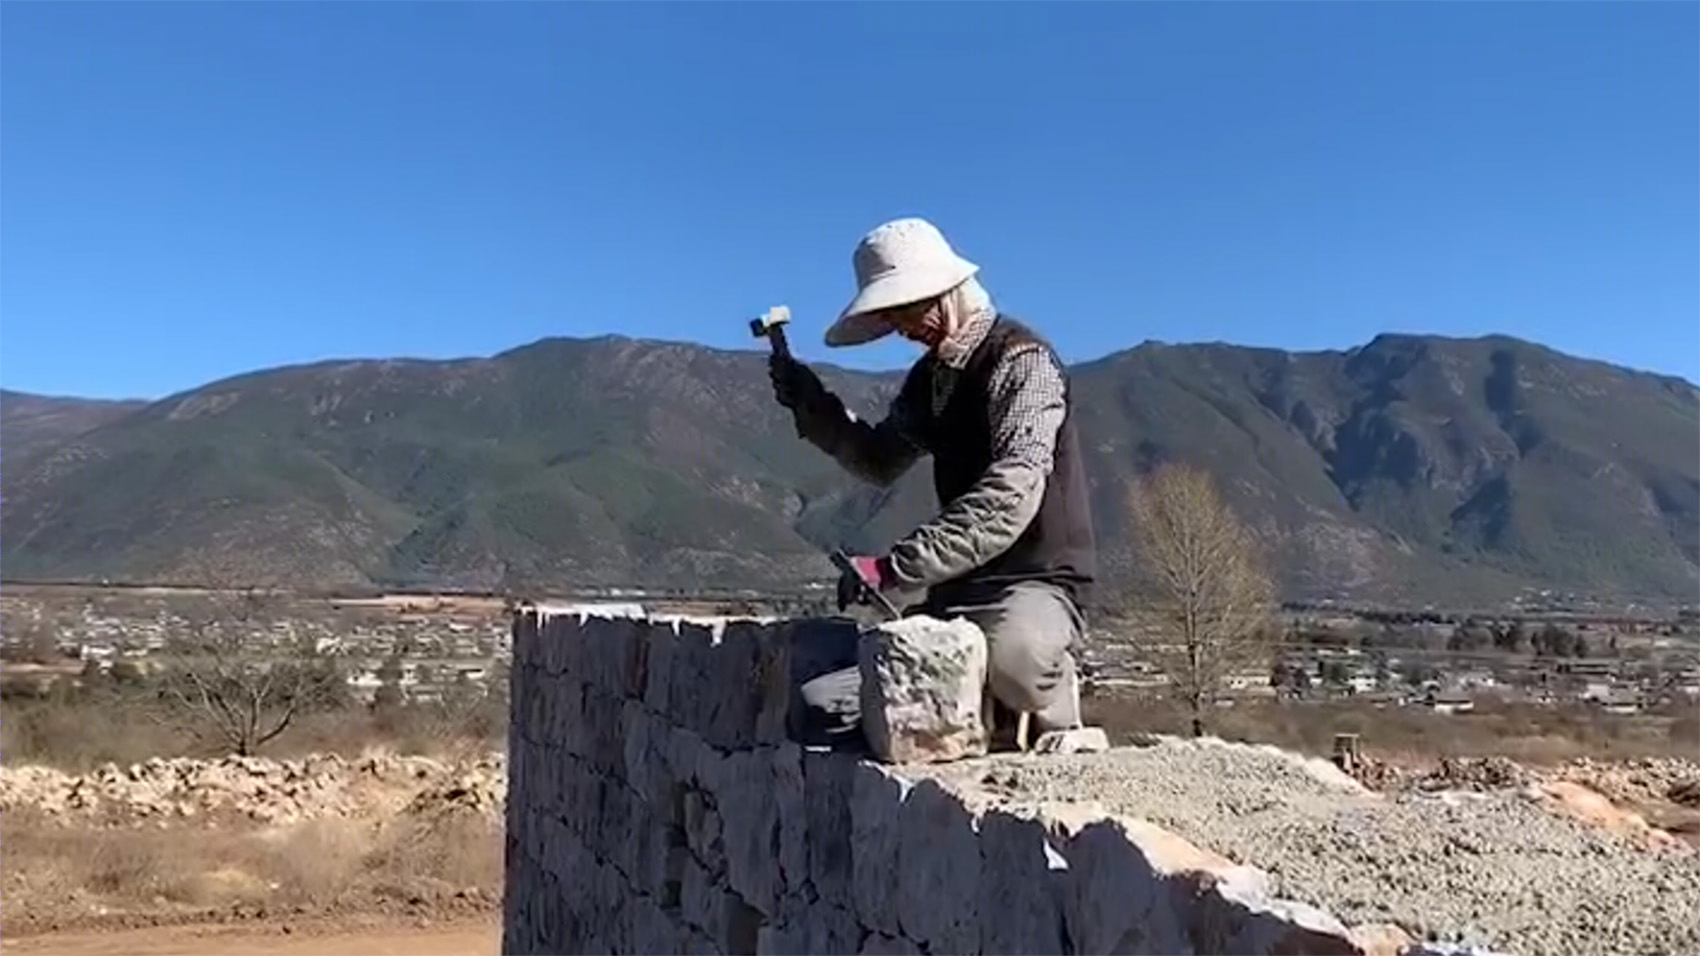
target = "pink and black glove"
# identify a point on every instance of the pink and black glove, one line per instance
(865, 577)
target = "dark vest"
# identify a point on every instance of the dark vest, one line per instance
(1058, 545)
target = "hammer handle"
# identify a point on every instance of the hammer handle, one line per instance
(841, 561)
(776, 335)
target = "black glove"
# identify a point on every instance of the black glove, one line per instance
(795, 385)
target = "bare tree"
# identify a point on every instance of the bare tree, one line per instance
(228, 683)
(1210, 602)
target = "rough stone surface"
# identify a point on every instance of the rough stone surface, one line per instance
(655, 806)
(922, 684)
(876, 805)
(1021, 883)
(938, 870)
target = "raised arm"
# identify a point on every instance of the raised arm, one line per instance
(877, 453)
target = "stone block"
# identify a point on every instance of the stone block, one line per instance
(565, 724)
(703, 834)
(938, 870)
(743, 925)
(658, 673)
(781, 940)
(615, 652)
(645, 761)
(633, 666)
(654, 843)
(702, 902)
(558, 651)
(554, 633)
(698, 943)
(876, 808)
(922, 682)
(828, 782)
(686, 760)
(691, 696)
(1021, 883)
(831, 931)
(750, 819)
(1232, 912)
(612, 818)
(789, 794)
(879, 944)
(654, 930)
(1115, 900)
(733, 685)
(605, 751)
(576, 784)
(522, 632)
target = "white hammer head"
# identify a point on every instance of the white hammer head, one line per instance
(770, 320)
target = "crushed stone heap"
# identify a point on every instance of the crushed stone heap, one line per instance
(659, 803)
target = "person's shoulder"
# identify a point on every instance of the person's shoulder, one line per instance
(1021, 340)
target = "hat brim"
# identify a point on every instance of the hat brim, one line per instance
(859, 324)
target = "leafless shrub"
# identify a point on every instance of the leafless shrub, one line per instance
(228, 689)
(1208, 606)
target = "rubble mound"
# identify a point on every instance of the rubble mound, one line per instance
(1475, 773)
(256, 788)
(1640, 780)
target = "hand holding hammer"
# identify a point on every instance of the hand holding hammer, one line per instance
(793, 382)
(772, 325)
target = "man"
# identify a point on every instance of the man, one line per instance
(1012, 547)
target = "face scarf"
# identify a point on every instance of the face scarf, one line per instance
(964, 307)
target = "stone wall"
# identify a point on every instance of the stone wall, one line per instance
(659, 803)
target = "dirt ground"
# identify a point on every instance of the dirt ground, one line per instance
(480, 937)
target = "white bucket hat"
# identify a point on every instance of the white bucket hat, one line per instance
(902, 261)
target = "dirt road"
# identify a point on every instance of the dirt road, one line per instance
(466, 938)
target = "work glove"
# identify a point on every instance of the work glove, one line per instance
(865, 577)
(795, 385)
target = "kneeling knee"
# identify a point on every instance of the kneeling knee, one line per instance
(1025, 681)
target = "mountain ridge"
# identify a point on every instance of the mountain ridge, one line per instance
(1410, 468)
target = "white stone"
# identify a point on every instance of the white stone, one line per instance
(922, 681)
(1078, 740)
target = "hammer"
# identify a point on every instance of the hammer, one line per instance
(841, 561)
(772, 325)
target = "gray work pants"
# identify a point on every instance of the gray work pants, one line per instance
(1031, 629)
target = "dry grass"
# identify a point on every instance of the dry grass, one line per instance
(78, 737)
(1525, 733)
(59, 876)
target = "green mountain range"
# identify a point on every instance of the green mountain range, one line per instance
(1410, 470)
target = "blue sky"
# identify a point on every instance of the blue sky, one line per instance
(189, 191)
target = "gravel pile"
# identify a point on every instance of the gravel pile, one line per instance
(1493, 869)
